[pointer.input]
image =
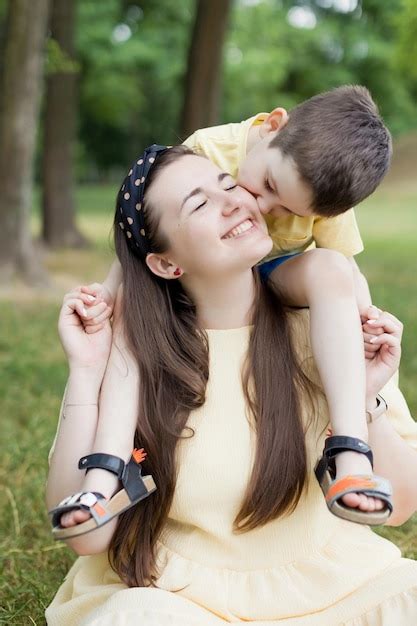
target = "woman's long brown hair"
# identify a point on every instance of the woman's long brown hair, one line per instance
(160, 323)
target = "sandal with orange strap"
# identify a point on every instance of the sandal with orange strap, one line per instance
(369, 485)
(135, 488)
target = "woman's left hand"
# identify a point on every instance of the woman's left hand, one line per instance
(386, 360)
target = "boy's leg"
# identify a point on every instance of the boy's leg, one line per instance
(322, 280)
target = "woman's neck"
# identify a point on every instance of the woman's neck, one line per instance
(224, 303)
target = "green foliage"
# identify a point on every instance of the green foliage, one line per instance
(406, 22)
(133, 55)
(133, 59)
(58, 61)
(269, 62)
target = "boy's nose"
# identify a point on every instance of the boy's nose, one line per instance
(262, 205)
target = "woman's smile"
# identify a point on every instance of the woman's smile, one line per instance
(242, 228)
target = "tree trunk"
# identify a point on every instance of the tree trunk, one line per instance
(22, 74)
(60, 128)
(202, 83)
(3, 29)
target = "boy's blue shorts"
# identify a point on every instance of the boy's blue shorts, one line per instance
(266, 268)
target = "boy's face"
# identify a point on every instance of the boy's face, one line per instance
(274, 181)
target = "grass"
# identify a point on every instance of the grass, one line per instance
(33, 373)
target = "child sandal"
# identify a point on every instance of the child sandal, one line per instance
(369, 485)
(135, 488)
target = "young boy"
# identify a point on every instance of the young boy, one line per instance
(306, 169)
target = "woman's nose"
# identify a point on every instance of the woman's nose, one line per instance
(230, 204)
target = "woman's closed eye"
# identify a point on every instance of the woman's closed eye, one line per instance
(200, 206)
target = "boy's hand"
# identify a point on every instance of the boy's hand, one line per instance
(99, 307)
(370, 330)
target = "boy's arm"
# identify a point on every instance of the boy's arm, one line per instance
(113, 279)
(363, 295)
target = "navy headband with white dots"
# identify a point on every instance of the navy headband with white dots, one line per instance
(131, 216)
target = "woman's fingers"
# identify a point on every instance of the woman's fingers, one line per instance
(77, 293)
(384, 318)
(94, 328)
(371, 312)
(371, 329)
(386, 338)
(385, 322)
(97, 314)
(92, 312)
(74, 305)
(101, 315)
(368, 336)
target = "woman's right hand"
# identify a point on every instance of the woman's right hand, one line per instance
(386, 334)
(84, 350)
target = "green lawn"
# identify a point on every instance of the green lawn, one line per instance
(33, 373)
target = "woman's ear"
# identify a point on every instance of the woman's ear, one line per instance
(275, 122)
(162, 267)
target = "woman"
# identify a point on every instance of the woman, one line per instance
(236, 530)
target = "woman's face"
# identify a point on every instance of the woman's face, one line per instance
(213, 226)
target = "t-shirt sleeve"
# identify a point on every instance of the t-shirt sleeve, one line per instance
(192, 142)
(339, 233)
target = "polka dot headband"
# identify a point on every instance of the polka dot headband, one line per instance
(131, 216)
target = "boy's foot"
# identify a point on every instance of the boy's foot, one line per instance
(353, 463)
(90, 509)
(341, 472)
(74, 517)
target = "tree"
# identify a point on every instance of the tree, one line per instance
(202, 83)
(60, 127)
(22, 74)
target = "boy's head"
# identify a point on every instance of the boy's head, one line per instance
(326, 156)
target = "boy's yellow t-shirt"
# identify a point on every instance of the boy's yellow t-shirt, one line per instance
(225, 146)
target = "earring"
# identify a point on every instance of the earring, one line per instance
(177, 272)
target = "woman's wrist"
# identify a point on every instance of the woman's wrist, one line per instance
(83, 386)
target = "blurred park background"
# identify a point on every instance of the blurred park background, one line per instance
(84, 86)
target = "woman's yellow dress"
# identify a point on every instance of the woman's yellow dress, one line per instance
(307, 569)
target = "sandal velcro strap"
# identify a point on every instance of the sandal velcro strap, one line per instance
(91, 501)
(108, 462)
(333, 446)
(130, 474)
(338, 443)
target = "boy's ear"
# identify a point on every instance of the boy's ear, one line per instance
(161, 266)
(275, 121)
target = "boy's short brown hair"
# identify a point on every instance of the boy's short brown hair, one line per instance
(340, 146)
